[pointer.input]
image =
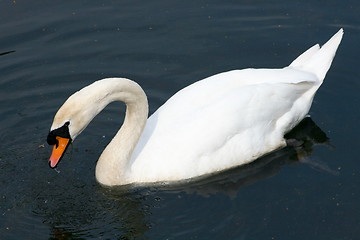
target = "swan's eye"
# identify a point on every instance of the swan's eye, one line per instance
(67, 123)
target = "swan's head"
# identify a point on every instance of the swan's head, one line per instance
(81, 107)
(61, 139)
(70, 120)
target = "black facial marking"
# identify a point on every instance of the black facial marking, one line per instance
(61, 132)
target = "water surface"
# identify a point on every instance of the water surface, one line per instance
(55, 48)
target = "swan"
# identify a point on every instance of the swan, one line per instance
(220, 122)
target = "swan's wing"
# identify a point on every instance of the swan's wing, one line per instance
(203, 126)
(208, 92)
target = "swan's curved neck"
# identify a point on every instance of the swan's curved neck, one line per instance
(113, 165)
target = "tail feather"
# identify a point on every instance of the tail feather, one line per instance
(303, 58)
(318, 60)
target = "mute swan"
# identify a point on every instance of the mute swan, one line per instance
(220, 122)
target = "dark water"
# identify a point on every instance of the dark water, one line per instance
(165, 45)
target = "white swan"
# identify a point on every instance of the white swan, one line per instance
(220, 122)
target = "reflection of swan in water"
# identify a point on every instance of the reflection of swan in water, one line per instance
(218, 123)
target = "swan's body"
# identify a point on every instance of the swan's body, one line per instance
(223, 121)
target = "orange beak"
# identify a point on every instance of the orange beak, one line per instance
(58, 151)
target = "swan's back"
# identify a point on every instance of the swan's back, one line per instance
(229, 119)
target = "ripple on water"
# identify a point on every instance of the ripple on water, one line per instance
(62, 46)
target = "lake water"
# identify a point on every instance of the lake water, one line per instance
(53, 48)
